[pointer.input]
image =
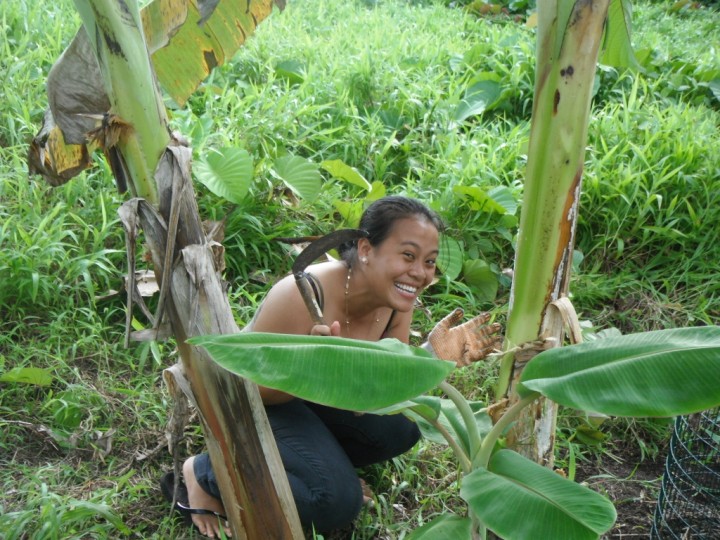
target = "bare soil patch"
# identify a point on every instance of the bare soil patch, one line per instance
(632, 483)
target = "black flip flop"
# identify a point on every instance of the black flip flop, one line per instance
(182, 504)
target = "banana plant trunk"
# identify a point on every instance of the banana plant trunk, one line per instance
(568, 42)
(254, 487)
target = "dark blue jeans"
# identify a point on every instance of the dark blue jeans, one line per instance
(320, 448)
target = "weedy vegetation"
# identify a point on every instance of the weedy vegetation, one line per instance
(330, 105)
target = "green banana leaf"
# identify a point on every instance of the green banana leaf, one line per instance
(345, 373)
(451, 419)
(444, 527)
(660, 373)
(518, 499)
(617, 45)
(422, 406)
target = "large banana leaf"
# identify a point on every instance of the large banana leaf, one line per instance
(661, 373)
(547, 504)
(345, 373)
(186, 49)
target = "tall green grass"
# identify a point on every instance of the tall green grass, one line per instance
(378, 85)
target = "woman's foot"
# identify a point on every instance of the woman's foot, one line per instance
(207, 524)
(368, 495)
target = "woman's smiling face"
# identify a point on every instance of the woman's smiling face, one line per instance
(403, 264)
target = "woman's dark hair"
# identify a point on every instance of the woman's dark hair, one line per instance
(380, 217)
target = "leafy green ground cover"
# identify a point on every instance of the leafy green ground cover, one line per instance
(420, 98)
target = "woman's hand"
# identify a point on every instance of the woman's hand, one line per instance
(467, 343)
(325, 330)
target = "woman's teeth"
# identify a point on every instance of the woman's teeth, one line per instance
(406, 288)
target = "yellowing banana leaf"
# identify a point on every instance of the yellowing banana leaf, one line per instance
(211, 32)
(345, 373)
(552, 506)
(186, 38)
(51, 157)
(660, 373)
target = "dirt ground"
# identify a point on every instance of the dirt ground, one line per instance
(631, 483)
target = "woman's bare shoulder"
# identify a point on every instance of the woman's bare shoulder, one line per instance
(283, 309)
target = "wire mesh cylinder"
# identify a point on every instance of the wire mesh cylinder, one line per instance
(689, 502)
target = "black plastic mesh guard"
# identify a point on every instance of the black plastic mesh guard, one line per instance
(689, 502)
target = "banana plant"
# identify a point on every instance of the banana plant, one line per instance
(570, 36)
(104, 93)
(662, 373)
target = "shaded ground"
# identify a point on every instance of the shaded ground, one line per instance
(631, 483)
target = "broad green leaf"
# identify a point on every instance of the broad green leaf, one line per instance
(660, 373)
(507, 222)
(339, 169)
(444, 527)
(345, 373)
(505, 198)
(300, 175)
(291, 70)
(377, 191)
(28, 375)
(480, 199)
(483, 93)
(450, 258)
(227, 172)
(478, 273)
(350, 211)
(518, 499)
(617, 47)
